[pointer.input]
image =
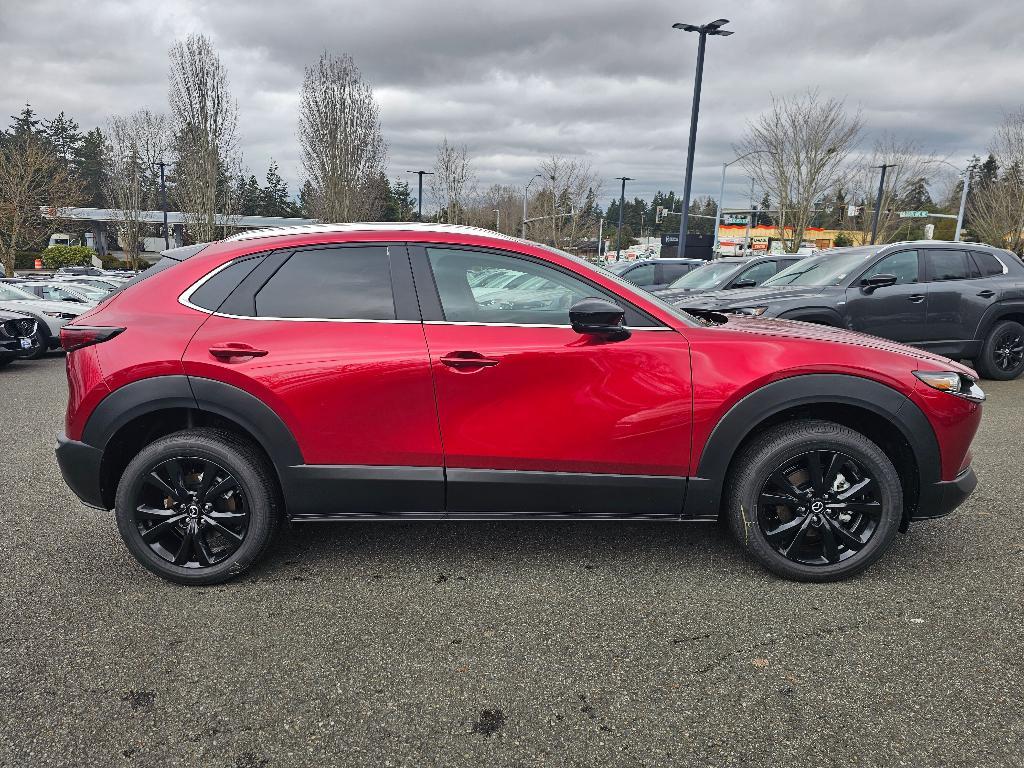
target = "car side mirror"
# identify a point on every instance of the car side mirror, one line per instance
(598, 317)
(745, 284)
(873, 283)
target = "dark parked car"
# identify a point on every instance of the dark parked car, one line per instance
(727, 273)
(964, 301)
(16, 336)
(654, 274)
(216, 396)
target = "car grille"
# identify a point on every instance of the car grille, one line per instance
(18, 328)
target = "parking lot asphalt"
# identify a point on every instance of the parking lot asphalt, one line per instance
(504, 644)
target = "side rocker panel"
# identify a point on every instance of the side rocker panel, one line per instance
(704, 491)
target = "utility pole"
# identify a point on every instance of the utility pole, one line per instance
(600, 238)
(497, 219)
(163, 202)
(419, 194)
(878, 200)
(963, 204)
(713, 28)
(750, 221)
(622, 206)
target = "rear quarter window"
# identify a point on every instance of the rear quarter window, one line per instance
(212, 293)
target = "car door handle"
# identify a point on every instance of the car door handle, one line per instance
(986, 294)
(232, 349)
(468, 360)
(916, 298)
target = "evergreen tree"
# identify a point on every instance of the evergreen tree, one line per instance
(307, 200)
(63, 134)
(274, 199)
(89, 164)
(25, 122)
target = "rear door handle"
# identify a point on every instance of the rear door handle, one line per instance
(916, 298)
(986, 294)
(468, 360)
(232, 349)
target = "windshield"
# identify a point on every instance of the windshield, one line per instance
(618, 267)
(827, 269)
(91, 293)
(10, 293)
(707, 276)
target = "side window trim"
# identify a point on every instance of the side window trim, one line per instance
(430, 299)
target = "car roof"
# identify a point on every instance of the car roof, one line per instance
(369, 226)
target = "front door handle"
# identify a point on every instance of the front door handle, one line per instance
(916, 298)
(468, 360)
(986, 294)
(232, 349)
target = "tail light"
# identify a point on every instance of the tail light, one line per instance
(77, 336)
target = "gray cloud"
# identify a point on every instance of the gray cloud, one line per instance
(518, 81)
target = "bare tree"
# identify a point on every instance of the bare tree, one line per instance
(135, 143)
(797, 151)
(569, 198)
(205, 120)
(498, 207)
(910, 164)
(343, 150)
(996, 208)
(31, 177)
(453, 182)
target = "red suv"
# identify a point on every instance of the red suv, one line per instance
(367, 371)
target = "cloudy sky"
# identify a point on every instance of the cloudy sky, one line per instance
(517, 81)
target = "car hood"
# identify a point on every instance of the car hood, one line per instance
(751, 297)
(794, 329)
(671, 295)
(68, 307)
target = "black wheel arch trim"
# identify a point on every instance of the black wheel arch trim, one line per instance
(1001, 310)
(158, 393)
(704, 491)
(807, 315)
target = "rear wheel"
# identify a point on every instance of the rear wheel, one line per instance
(198, 506)
(814, 501)
(1002, 356)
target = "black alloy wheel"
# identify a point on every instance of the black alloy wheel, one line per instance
(1009, 350)
(819, 508)
(191, 512)
(1002, 355)
(813, 500)
(198, 506)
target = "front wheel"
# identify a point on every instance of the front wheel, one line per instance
(40, 343)
(814, 501)
(1002, 356)
(198, 506)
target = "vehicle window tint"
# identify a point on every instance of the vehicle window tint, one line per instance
(531, 294)
(988, 264)
(211, 294)
(332, 283)
(947, 265)
(904, 265)
(671, 271)
(757, 273)
(641, 275)
(783, 263)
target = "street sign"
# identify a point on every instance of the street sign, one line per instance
(913, 214)
(733, 219)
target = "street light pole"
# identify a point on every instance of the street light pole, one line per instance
(419, 194)
(878, 200)
(622, 206)
(526, 197)
(963, 204)
(163, 203)
(713, 28)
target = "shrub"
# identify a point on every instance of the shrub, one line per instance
(57, 256)
(842, 240)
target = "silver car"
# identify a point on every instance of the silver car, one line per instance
(51, 316)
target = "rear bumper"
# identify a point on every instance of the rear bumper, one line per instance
(80, 466)
(941, 498)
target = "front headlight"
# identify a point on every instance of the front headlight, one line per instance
(954, 383)
(753, 311)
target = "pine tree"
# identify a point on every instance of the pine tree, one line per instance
(273, 199)
(89, 163)
(63, 133)
(307, 199)
(25, 122)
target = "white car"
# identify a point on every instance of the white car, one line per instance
(51, 316)
(63, 290)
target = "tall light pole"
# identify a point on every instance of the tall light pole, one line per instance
(712, 28)
(721, 191)
(163, 202)
(419, 194)
(622, 205)
(526, 197)
(965, 177)
(878, 200)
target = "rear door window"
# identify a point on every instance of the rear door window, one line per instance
(337, 283)
(944, 264)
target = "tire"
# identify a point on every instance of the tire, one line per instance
(828, 534)
(1002, 356)
(215, 490)
(6, 360)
